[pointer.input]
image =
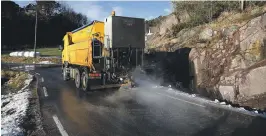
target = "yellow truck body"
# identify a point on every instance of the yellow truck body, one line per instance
(96, 55)
(77, 44)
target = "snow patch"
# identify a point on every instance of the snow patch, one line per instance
(170, 89)
(45, 62)
(28, 80)
(29, 67)
(14, 106)
(222, 103)
(216, 101)
(13, 112)
(16, 68)
(25, 67)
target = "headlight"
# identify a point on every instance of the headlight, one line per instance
(121, 79)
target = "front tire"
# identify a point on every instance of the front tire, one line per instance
(85, 81)
(77, 78)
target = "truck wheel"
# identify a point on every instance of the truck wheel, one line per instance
(65, 77)
(85, 81)
(77, 78)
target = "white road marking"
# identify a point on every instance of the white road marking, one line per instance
(37, 73)
(181, 100)
(59, 126)
(45, 91)
(42, 79)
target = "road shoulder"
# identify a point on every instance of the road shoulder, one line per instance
(33, 120)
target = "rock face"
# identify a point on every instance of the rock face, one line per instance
(221, 66)
(227, 92)
(167, 24)
(254, 82)
(206, 34)
(161, 40)
(227, 62)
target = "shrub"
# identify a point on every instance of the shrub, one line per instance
(201, 12)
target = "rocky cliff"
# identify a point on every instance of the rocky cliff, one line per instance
(227, 57)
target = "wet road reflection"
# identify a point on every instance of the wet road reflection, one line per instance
(140, 111)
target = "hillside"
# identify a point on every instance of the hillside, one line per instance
(228, 53)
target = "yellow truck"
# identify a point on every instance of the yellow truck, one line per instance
(97, 55)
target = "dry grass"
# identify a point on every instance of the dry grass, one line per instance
(237, 18)
(15, 79)
(9, 59)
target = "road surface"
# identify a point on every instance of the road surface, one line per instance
(140, 111)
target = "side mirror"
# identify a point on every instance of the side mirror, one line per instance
(61, 48)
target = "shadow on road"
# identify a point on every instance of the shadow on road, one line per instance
(256, 128)
(212, 129)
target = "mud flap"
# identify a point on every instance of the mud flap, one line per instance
(109, 86)
(105, 86)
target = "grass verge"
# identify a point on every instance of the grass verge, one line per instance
(31, 122)
(49, 51)
(15, 80)
(43, 51)
(33, 119)
(27, 60)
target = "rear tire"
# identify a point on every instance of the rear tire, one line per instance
(85, 81)
(77, 78)
(65, 75)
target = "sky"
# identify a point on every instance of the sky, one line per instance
(99, 10)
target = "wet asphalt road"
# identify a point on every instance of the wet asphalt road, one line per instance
(139, 111)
